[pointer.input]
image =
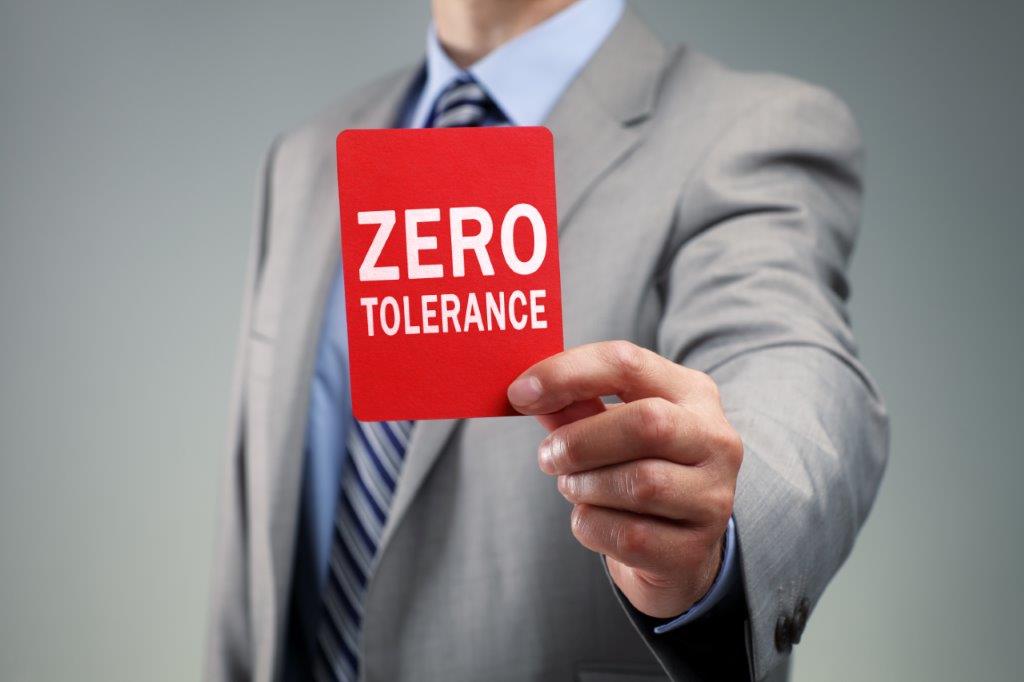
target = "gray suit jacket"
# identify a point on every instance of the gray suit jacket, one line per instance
(704, 213)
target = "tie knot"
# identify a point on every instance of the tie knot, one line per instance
(465, 104)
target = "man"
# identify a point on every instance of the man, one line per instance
(706, 221)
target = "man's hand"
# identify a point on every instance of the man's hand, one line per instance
(651, 479)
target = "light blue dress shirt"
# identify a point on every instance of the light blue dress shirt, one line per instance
(525, 77)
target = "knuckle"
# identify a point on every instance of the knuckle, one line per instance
(628, 357)
(734, 448)
(571, 486)
(634, 538)
(719, 505)
(726, 443)
(647, 485)
(578, 522)
(657, 420)
(556, 378)
(557, 374)
(706, 385)
(567, 451)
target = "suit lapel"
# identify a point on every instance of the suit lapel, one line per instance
(597, 121)
(428, 441)
(594, 125)
(314, 248)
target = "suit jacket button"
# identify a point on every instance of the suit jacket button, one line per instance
(784, 634)
(803, 610)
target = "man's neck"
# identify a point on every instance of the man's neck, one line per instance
(470, 29)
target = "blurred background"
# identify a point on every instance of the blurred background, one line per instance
(130, 135)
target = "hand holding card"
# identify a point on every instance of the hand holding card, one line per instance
(450, 257)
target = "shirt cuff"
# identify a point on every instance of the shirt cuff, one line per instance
(719, 588)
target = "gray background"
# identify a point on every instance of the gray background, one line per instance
(130, 132)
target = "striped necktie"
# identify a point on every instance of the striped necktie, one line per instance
(464, 104)
(376, 451)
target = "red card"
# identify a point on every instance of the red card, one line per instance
(449, 243)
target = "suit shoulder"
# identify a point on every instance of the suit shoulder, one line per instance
(719, 95)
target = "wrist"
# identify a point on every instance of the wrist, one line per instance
(717, 588)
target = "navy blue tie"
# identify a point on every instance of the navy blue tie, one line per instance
(375, 454)
(464, 104)
(376, 451)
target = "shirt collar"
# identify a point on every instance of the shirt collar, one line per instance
(526, 76)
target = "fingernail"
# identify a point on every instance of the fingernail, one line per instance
(546, 456)
(524, 391)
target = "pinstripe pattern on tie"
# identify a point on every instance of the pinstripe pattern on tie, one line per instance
(376, 451)
(464, 104)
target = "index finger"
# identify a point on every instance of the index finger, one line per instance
(594, 370)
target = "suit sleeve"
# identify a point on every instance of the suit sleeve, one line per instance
(755, 293)
(228, 645)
